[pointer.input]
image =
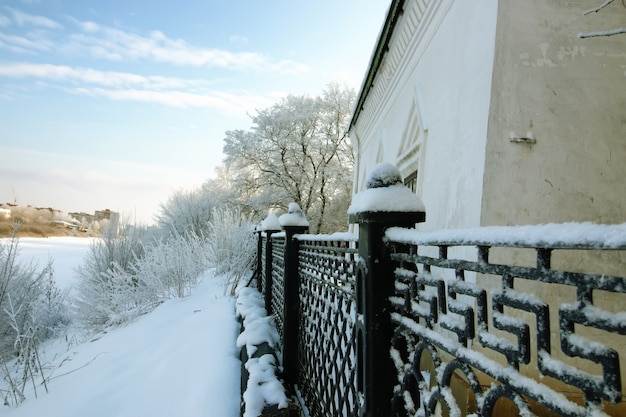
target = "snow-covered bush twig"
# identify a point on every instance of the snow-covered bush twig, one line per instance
(125, 276)
(170, 268)
(231, 245)
(31, 310)
(107, 291)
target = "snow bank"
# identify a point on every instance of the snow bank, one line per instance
(65, 252)
(179, 360)
(552, 235)
(263, 387)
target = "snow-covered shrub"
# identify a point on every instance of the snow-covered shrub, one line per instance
(231, 244)
(31, 310)
(128, 274)
(170, 268)
(107, 291)
(31, 295)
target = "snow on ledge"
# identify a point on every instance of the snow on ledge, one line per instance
(263, 387)
(334, 237)
(553, 235)
(385, 192)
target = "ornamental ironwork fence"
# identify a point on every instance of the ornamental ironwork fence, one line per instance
(394, 322)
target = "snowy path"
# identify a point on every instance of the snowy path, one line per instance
(179, 360)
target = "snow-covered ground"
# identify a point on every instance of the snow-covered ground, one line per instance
(179, 360)
(66, 253)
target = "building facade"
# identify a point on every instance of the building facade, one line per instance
(498, 114)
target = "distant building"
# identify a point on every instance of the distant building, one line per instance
(82, 217)
(106, 214)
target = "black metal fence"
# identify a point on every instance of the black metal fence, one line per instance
(398, 323)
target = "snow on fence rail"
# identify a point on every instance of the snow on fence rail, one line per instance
(490, 321)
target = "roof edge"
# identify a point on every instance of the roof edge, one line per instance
(394, 12)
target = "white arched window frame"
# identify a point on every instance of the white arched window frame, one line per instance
(410, 158)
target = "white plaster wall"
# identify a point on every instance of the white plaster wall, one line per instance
(451, 63)
(570, 94)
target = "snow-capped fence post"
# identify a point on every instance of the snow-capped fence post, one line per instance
(385, 203)
(294, 222)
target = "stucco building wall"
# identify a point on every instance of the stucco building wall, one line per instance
(569, 94)
(429, 104)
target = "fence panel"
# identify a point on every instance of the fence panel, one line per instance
(471, 330)
(262, 260)
(277, 289)
(327, 351)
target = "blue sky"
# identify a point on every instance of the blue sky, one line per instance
(117, 104)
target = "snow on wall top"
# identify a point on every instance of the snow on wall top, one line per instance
(385, 193)
(587, 235)
(334, 237)
(294, 217)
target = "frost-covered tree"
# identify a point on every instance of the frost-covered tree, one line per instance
(297, 150)
(187, 211)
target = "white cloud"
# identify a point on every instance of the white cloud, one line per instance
(117, 45)
(88, 26)
(239, 105)
(4, 21)
(114, 44)
(27, 19)
(91, 76)
(21, 44)
(239, 39)
(121, 86)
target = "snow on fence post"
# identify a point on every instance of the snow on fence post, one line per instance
(270, 225)
(385, 203)
(259, 259)
(293, 222)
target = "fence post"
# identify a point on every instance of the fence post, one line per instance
(259, 259)
(370, 209)
(269, 225)
(293, 222)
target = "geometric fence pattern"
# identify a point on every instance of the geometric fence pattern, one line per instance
(327, 343)
(450, 327)
(468, 330)
(278, 283)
